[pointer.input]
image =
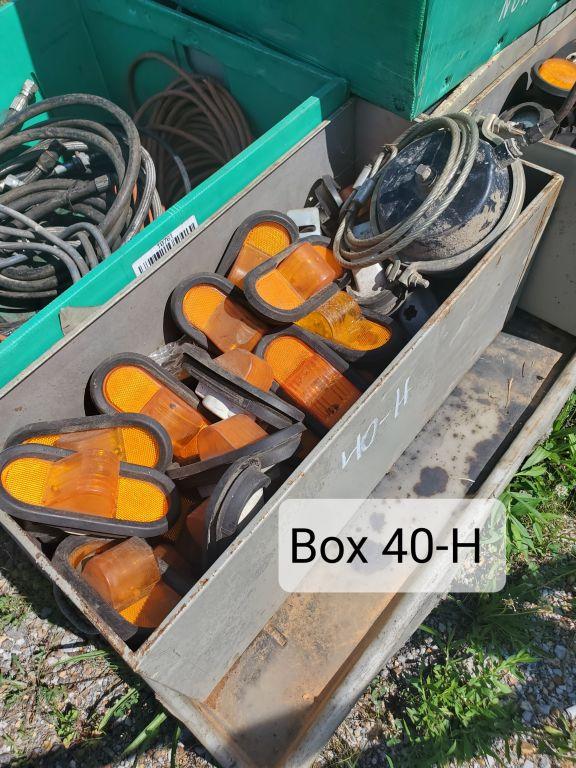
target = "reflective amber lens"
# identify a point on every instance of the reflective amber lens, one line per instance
(150, 611)
(318, 387)
(247, 366)
(132, 390)
(306, 271)
(86, 483)
(124, 573)
(26, 479)
(340, 319)
(228, 435)
(269, 237)
(328, 255)
(131, 444)
(225, 323)
(248, 258)
(560, 73)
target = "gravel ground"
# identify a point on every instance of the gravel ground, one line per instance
(49, 709)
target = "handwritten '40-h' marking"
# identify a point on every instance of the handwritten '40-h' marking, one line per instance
(364, 441)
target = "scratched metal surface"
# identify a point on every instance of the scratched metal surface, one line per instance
(483, 414)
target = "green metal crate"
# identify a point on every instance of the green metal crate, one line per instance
(88, 45)
(401, 54)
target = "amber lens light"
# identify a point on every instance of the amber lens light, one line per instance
(228, 435)
(222, 320)
(131, 444)
(340, 319)
(130, 389)
(264, 240)
(301, 275)
(78, 485)
(559, 73)
(318, 387)
(247, 366)
(84, 482)
(124, 573)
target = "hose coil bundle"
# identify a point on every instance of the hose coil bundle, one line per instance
(82, 190)
(191, 128)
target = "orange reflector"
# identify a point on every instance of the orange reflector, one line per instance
(195, 528)
(264, 240)
(123, 574)
(150, 611)
(131, 444)
(84, 482)
(560, 73)
(301, 275)
(228, 435)
(327, 255)
(76, 487)
(131, 389)
(247, 366)
(314, 383)
(225, 323)
(340, 319)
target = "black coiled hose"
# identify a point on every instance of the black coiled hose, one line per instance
(68, 201)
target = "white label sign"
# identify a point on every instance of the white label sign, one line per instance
(164, 247)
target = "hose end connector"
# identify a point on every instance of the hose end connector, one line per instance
(23, 99)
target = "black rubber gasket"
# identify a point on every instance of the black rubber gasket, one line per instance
(97, 379)
(117, 623)
(70, 521)
(284, 316)
(105, 421)
(234, 246)
(270, 450)
(177, 309)
(317, 345)
(381, 356)
(266, 406)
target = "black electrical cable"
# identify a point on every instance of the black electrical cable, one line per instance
(191, 128)
(72, 190)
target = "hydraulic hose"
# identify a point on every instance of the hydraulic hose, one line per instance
(72, 190)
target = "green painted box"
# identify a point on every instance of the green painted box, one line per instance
(401, 54)
(87, 46)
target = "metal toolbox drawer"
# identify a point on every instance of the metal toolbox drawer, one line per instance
(550, 294)
(198, 661)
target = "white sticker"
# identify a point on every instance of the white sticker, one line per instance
(165, 245)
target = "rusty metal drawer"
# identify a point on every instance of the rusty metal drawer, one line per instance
(262, 677)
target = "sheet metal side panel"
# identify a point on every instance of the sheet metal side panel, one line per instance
(550, 288)
(224, 613)
(407, 611)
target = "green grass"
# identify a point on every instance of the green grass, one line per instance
(13, 610)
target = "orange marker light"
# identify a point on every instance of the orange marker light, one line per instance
(301, 275)
(228, 435)
(84, 482)
(247, 366)
(130, 389)
(340, 319)
(314, 383)
(264, 240)
(559, 73)
(124, 573)
(222, 320)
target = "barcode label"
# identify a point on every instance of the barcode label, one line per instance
(165, 245)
